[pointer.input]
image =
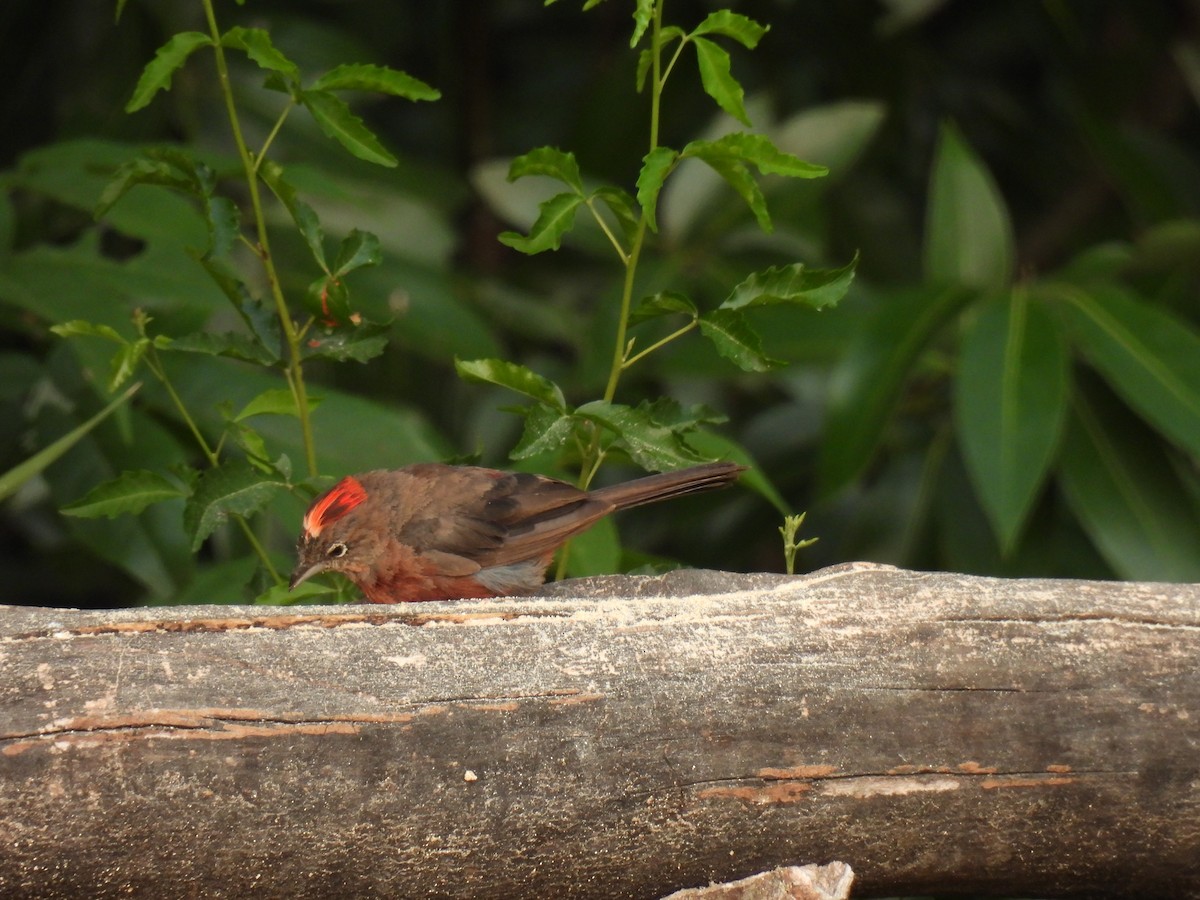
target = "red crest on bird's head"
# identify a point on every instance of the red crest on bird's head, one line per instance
(333, 504)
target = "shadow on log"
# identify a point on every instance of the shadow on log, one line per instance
(614, 737)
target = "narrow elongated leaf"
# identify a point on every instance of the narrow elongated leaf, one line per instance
(1151, 358)
(741, 28)
(555, 218)
(717, 79)
(643, 13)
(797, 284)
(650, 444)
(968, 234)
(144, 171)
(11, 480)
(336, 120)
(1010, 406)
(232, 489)
(275, 402)
(302, 214)
(757, 150)
(736, 340)
(1122, 487)
(734, 171)
(656, 166)
(125, 362)
(169, 57)
(127, 494)
(621, 205)
(664, 303)
(514, 377)
(80, 328)
(869, 379)
(256, 43)
(550, 162)
(379, 79)
(229, 344)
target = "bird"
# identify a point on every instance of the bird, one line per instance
(434, 531)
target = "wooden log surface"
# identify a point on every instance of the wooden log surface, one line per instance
(620, 737)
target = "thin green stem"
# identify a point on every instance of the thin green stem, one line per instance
(591, 205)
(250, 167)
(680, 332)
(262, 153)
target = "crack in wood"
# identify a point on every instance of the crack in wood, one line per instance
(1082, 617)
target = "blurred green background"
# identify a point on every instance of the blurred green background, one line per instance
(1012, 386)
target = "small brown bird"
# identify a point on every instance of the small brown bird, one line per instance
(437, 532)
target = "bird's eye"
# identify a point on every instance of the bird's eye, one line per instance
(336, 551)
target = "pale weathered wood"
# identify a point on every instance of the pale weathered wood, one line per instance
(936, 732)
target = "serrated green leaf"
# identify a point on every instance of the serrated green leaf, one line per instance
(968, 235)
(80, 328)
(514, 377)
(735, 340)
(229, 344)
(231, 489)
(1010, 406)
(335, 119)
(144, 170)
(796, 284)
(358, 249)
(651, 445)
(11, 480)
(621, 205)
(1150, 357)
(127, 494)
(302, 214)
(555, 218)
(656, 166)
(1122, 487)
(169, 57)
(742, 29)
(718, 81)
(275, 402)
(256, 43)
(643, 14)
(547, 430)
(360, 342)
(379, 79)
(664, 303)
(224, 222)
(125, 362)
(757, 150)
(261, 321)
(252, 443)
(645, 62)
(870, 377)
(739, 178)
(549, 162)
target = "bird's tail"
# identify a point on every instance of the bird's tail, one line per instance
(653, 488)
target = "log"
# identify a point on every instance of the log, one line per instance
(617, 737)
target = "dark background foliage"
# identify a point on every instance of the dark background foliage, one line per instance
(1085, 114)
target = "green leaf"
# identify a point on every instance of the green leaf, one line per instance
(651, 445)
(127, 494)
(656, 166)
(231, 489)
(1127, 497)
(275, 402)
(870, 377)
(756, 149)
(358, 249)
(379, 79)
(360, 342)
(11, 480)
(621, 205)
(546, 430)
(1010, 406)
(145, 170)
(742, 29)
(968, 234)
(1151, 358)
(664, 303)
(125, 362)
(230, 344)
(157, 74)
(514, 377)
(555, 218)
(256, 43)
(549, 162)
(735, 340)
(302, 214)
(717, 80)
(80, 328)
(224, 223)
(336, 120)
(643, 14)
(796, 284)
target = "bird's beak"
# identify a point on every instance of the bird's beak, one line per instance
(302, 575)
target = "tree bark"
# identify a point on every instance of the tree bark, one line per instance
(619, 737)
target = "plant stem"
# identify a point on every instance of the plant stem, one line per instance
(250, 167)
(680, 332)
